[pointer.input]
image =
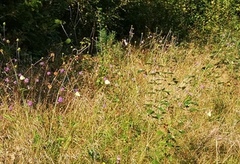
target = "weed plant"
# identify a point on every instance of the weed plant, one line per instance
(154, 103)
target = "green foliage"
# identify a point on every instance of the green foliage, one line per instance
(187, 19)
(44, 26)
(33, 22)
(33, 4)
(217, 18)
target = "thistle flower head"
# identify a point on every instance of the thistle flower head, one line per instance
(41, 63)
(6, 69)
(26, 80)
(61, 70)
(29, 103)
(60, 99)
(7, 80)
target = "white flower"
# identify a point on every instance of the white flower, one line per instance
(77, 94)
(209, 113)
(125, 43)
(107, 82)
(22, 77)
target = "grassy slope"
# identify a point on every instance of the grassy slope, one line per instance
(180, 105)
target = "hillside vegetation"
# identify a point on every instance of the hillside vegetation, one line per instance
(123, 94)
(166, 104)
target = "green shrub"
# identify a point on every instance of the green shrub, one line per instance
(46, 26)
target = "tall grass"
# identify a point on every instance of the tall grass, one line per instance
(166, 104)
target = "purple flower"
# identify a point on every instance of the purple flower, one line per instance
(36, 80)
(62, 89)
(60, 99)
(29, 103)
(80, 73)
(48, 73)
(6, 69)
(14, 60)
(41, 63)
(15, 82)
(202, 86)
(7, 80)
(61, 70)
(26, 80)
(10, 107)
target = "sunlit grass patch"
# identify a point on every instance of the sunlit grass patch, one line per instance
(171, 105)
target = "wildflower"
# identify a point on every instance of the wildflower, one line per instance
(29, 103)
(48, 73)
(80, 73)
(22, 77)
(202, 86)
(6, 69)
(41, 63)
(6, 80)
(15, 82)
(60, 99)
(125, 43)
(62, 89)
(77, 94)
(10, 107)
(106, 81)
(36, 80)
(118, 159)
(61, 70)
(26, 80)
(209, 113)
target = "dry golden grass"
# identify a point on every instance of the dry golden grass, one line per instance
(179, 105)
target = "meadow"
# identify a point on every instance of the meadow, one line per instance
(157, 102)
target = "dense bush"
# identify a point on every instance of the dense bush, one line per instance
(33, 22)
(216, 20)
(44, 26)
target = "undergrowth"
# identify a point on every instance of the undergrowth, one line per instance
(154, 103)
